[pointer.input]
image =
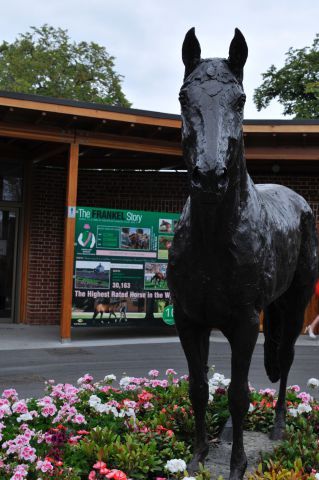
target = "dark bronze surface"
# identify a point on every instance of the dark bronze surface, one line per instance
(239, 248)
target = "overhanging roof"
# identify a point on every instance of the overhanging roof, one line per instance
(132, 138)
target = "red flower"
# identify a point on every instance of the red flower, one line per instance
(117, 475)
(160, 429)
(145, 396)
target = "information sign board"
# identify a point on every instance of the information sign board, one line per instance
(120, 266)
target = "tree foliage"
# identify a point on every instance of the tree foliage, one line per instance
(45, 61)
(296, 85)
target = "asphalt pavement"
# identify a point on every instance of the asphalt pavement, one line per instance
(31, 355)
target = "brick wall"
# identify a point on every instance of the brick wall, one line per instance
(124, 190)
(154, 191)
(46, 246)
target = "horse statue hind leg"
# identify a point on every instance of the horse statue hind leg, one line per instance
(283, 322)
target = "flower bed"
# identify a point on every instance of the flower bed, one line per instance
(140, 429)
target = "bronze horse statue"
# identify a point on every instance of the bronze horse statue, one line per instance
(243, 247)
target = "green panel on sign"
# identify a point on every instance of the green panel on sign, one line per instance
(168, 315)
(108, 237)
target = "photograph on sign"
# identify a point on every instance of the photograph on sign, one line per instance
(92, 274)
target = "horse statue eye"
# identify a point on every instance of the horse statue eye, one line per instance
(240, 103)
(183, 98)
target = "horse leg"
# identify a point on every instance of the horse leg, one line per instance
(273, 324)
(195, 344)
(292, 326)
(242, 341)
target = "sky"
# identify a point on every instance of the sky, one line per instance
(146, 36)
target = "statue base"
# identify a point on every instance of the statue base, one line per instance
(218, 459)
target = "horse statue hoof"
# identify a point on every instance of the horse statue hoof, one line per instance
(198, 457)
(238, 472)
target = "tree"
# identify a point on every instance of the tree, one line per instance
(45, 61)
(296, 85)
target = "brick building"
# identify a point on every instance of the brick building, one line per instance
(57, 154)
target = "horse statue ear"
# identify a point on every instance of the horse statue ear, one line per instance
(190, 52)
(238, 53)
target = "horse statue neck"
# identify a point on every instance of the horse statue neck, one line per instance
(221, 216)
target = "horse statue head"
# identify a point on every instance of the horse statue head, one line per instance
(212, 102)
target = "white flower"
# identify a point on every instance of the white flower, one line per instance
(189, 478)
(24, 417)
(313, 383)
(304, 408)
(109, 378)
(94, 400)
(125, 381)
(293, 412)
(219, 380)
(175, 465)
(251, 408)
(317, 476)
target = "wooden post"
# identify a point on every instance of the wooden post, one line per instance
(68, 252)
(26, 242)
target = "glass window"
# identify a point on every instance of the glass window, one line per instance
(11, 180)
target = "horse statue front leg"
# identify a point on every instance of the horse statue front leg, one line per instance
(242, 338)
(195, 343)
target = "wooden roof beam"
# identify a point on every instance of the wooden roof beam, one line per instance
(274, 128)
(142, 119)
(102, 140)
(282, 153)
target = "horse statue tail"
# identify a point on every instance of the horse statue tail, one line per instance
(273, 323)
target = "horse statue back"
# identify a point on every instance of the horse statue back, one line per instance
(243, 248)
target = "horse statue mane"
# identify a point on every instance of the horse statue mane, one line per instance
(238, 249)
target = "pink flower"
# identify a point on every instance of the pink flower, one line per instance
(27, 453)
(153, 373)
(20, 472)
(305, 397)
(92, 475)
(44, 466)
(49, 411)
(10, 393)
(79, 419)
(99, 464)
(106, 388)
(20, 407)
(87, 378)
(294, 388)
(74, 440)
(170, 371)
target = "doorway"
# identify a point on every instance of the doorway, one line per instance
(9, 221)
